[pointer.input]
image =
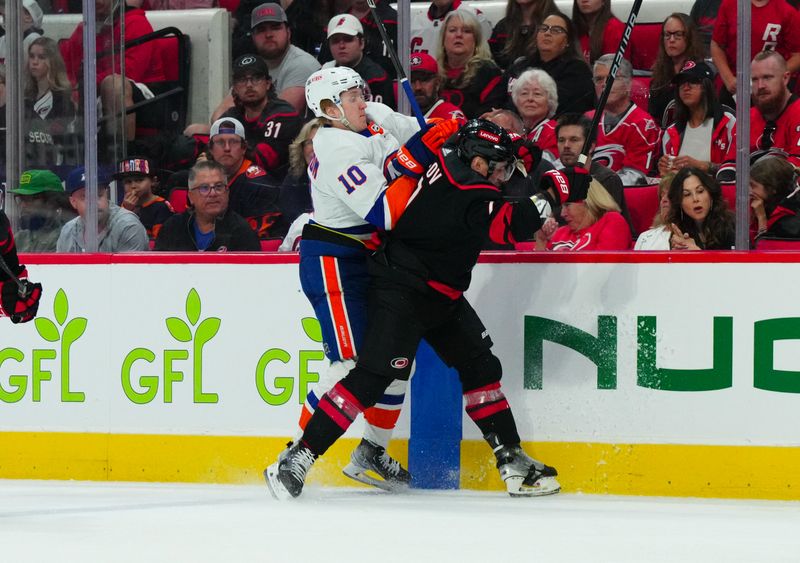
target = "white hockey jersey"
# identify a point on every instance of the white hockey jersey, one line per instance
(348, 185)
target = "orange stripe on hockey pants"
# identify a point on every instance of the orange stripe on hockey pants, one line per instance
(382, 418)
(341, 325)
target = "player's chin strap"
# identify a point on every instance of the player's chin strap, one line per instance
(343, 120)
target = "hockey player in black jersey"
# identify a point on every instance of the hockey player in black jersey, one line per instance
(418, 277)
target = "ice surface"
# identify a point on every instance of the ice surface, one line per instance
(120, 522)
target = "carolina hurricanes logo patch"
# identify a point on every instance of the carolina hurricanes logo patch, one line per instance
(340, 22)
(254, 172)
(399, 363)
(688, 65)
(416, 60)
(247, 61)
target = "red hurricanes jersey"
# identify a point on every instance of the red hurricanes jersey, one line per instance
(783, 133)
(544, 137)
(610, 232)
(631, 143)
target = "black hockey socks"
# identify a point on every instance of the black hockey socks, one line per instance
(488, 408)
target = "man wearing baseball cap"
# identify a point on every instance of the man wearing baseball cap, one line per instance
(270, 123)
(118, 230)
(43, 210)
(346, 43)
(426, 82)
(138, 176)
(254, 193)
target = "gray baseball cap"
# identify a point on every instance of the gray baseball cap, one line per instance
(269, 12)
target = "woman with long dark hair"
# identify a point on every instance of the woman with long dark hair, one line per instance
(774, 199)
(556, 51)
(703, 134)
(598, 30)
(699, 216)
(680, 42)
(513, 34)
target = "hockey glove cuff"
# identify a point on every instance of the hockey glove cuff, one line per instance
(20, 308)
(421, 149)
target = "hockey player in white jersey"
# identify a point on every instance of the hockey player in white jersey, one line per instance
(367, 159)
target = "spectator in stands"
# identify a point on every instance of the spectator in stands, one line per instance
(208, 224)
(373, 42)
(252, 192)
(426, 26)
(288, 65)
(178, 4)
(139, 177)
(535, 97)
(555, 51)
(658, 236)
(679, 43)
(571, 132)
(627, 136)
(295, 199)
(2, 120)
(699, 216)
(43, 210)
(773, 26)
(592, 217)
(49, 111)
(118, 230)
(774, 199)
(704, 133)
(775, 115)
(473, 81)
(346, 43)
(144, 73)
(598, 30)
(704, 14)
(270, 122)
(32, 17)
(426, 82)
(513, 33)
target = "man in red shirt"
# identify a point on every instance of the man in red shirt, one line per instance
(775, 115)
(773, 27)
(142, 64)
(426, 83)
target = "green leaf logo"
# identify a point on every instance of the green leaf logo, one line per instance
(193, 307)
(312, 328)
(47, 329)
(179, 330)
(61, 307)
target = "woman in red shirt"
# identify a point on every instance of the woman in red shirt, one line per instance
(593, 218)
(598, 30)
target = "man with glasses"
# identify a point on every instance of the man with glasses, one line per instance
(627, 136)
(270, 123)
(775, 115)
(207, 224)
(254, 193)
(118, 230)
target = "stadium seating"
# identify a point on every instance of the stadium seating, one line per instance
(777, 244)
(178, 198)
(270, 244)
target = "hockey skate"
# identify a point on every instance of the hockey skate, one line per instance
(286, 477)
(371, 465)
(523, 475)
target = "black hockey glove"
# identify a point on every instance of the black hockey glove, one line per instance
(20, 305)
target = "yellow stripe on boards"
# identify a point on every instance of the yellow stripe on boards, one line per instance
(764, 472)
(163, 458)
(757, 472)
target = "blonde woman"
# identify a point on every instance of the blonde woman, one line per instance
(657, 237)
(473, 82)
(593, 218)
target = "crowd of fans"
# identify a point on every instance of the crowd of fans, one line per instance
(537, 72)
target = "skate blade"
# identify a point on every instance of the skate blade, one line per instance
(358, 473)
(276, 488)
(544, 486)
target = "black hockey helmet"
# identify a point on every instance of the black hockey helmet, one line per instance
(480, 137)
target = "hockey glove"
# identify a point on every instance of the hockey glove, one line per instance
(20, 308)
(528, 155)
(421, 149)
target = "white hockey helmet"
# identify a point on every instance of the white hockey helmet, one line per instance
(328, 84)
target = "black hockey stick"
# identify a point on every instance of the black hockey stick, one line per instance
(612, 73)
(401, 75)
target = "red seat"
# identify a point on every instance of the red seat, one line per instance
(178, 198)
(777, 244)
(271, 244)
(642, 202)
(645, 38)
(729, 193)
(640, 91)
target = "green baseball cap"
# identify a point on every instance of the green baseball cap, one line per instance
(33, 182)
